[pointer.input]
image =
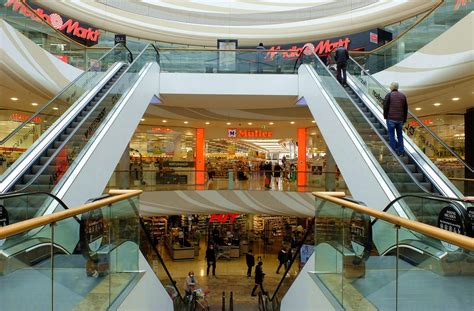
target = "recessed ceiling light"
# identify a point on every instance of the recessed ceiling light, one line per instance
(142, 119)
(455, 99)
(437, 104)
(313, 121)
(14, 98)
(271, 123)
(417, 108)
(207, 123)
(34, 104)
(164, 121)
(185, 122)
(250, 123)
(292, 122)
(228, 123)
(55, 108)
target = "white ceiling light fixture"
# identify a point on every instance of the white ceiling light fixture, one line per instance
(292, 122)
(14, 98)
(437, 104)
(164, 121)
(313, 121)
(228, 123)
(185, 122)
(142, 119)
(271, 123)
(207, 123)
(417, 108)
(455, 99)
(250, 123)
(55, 108)
(34, 104)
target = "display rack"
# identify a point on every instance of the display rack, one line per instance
(157, 225)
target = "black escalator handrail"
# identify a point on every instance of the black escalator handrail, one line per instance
(27, 121)
(130, 54)
(454, 153)
(380, 136)
(426, 197)
(158, 55)
(311, 229)
(299, 57)
(157, 253)
(64, 143)
(19, 194)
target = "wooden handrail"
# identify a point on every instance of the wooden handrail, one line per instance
(32, 223)
(461, 179)
(434, 232)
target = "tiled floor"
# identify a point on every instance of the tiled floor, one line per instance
(231, 276)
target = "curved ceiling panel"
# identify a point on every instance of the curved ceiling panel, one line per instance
(202, 22)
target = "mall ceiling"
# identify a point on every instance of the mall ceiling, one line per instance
(202, 22)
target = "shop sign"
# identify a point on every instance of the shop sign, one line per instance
(77, 31)
(160, 130)
(64, 58)
(223, 217)
(120, 38)
(244, 133)
(470, 218)
(178, 164)
(323, 47)
(21, 117)
(374, 38)
(453, 219)
(426, 122)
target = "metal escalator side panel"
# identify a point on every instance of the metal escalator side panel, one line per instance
(347, 146)
(93, 166)
(431, 171)
(22, 164)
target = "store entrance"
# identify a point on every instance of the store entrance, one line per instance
(226, 243)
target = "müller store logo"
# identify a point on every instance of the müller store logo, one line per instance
(76, 30)
(244, 133)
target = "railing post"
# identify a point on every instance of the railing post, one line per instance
(223, 301)
(51, 225)
(231, 302)
(397, 227)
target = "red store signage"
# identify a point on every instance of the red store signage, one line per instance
(223, 217)
(323, 47)
(76, 30)
(20, 117)
(244, 133)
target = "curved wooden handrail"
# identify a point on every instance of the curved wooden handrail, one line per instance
(434, 232)
(20, 227)
(461, 179)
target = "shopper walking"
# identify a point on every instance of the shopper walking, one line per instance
(395, 110)
(260, 56)
(341, 57)
(211, 259)
(282, 258)
(259, 276)
(250, 259)
(190, 284)
(268, 174)
(277, 173)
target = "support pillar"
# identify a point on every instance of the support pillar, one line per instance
(200, 165)
(301, 167)
(330, 173)
(469, 147)
(122, 174)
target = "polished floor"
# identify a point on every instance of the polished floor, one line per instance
(230, 276)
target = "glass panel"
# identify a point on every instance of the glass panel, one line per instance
(329, 248)
(23, 207)
(25, 271)
(447, 269)
(15, 143)
(235, 61)
(124, 245)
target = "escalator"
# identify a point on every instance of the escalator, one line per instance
(356, 135)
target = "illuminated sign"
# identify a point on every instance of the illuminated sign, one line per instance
(426, 122)
(160, 130)
(78, 31)
(323, 47)
(64, 58)
(460, 3)
(374, 38)
(20, 117)
(243, 133)
(223, 217)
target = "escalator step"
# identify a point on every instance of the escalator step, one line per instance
(411, 167)
(41, 179)
(43, 160)
(57, 144)
(42, 188)
(50, 152)
(51, 169)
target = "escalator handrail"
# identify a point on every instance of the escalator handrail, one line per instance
(298, 249)
(454, 153)
(19, 194)
(64, 143)
(409, 173)
(427, 197)
(27, 121)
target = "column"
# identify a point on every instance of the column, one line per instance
(122, 174)
(330, 174)
(200, 165)
(301, 167)
(469, 147)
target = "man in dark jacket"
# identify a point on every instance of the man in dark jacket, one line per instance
(211, 259)
(282, 258)
(341, 57)
(395, 110)
(250, 259)
(259, 275)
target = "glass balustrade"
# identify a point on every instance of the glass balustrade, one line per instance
(373, 264)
